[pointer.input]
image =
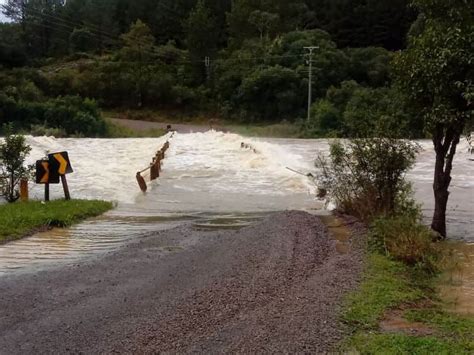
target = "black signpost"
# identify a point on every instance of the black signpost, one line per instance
(50, 171)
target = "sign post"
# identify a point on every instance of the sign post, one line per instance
(52, 170)
(61, 164)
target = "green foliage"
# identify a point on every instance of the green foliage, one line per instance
(388, 285)
(19, 219)
(136, 53)
(270, 94)
(436, 71)
(405, 239)
(82, 40)
(370, 65)
(12, 49)
(71, 114)
(326, 119)
(365, 177)
(366, 109)
(150, 54)
(436, 77)
(201, 38)
(352, 110)
(13, 153)
(385, 285)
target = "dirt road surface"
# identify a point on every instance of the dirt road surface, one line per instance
(275, 286)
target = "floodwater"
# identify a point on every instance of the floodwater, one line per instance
(207, 180)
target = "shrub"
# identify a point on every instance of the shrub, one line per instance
(42, 130)
(13, 152)
(326, 120)
(405, 239)
(365, 177)
(273, 93)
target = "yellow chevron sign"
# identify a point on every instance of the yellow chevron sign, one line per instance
(60, 163)
(45, 178)
(44, 174)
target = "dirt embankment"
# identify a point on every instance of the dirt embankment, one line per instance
(272, 287)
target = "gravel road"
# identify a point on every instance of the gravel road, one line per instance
(275, 286)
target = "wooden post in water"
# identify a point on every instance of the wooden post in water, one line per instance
(141, 182)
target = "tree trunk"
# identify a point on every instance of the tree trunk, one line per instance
(445, 147)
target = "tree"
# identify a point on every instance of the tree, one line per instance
(137, 52)
(238, 20)
(436, 74)
(13, 152)
(264, 22)
(201, 37)
(82, 40)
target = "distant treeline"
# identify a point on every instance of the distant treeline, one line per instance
(242, 59)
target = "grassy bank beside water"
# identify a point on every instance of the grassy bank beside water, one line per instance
(20, 219)
(396, 311)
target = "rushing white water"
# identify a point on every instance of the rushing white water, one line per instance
(208, 179)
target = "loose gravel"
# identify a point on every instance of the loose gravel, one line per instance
(276, 286)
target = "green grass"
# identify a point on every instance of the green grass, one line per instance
(385, 285)
(451, 325)
(20, 219)
(389, 285)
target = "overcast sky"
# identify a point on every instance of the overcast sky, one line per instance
(2, 18)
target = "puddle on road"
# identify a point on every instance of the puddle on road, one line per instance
(339, 231)
(457, 284)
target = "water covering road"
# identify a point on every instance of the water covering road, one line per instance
(207, 179)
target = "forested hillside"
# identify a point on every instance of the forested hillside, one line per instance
(242, 60)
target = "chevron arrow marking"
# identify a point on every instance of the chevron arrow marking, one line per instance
(62, 164)
(45, 178)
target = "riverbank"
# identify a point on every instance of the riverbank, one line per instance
(277, 285)
(22, 219)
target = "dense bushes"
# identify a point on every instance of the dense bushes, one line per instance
(71, 114)
(365, 177)
(262, 80)
(404, 238)
(352, 110)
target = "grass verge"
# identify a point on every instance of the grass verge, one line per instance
(389, 285)
(21, 219)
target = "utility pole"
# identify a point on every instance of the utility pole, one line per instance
(310, 79)
(207, 63)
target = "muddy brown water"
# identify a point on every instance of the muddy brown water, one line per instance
(207, 180)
